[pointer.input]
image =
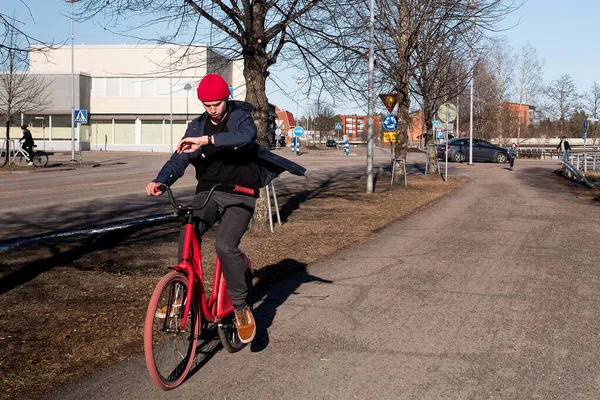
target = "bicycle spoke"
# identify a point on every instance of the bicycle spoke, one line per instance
(169, 348)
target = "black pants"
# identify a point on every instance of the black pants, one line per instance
(233, 212)
(28, 147)
(511, 160)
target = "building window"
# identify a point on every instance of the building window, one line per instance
(113, 87)
(162, 87)
(99, 87)
(128, 87)
(147, 87)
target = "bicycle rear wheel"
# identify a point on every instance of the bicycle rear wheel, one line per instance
(169, 350)
(226, 328)
(40, 159)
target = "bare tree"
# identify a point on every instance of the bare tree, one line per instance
(592, 105)
(529, 68)
(501, 60)
(10, 26)
(20, 91)
(257, 31)
(399, 27)
(485, 100)
(563, 99)
(439, 74)
(322, 118)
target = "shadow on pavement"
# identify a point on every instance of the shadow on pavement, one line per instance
(11, 278)
(545, 180)
(276, 283)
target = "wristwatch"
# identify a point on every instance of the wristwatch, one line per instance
(210, 139)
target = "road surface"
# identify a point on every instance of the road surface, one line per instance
(492, 292)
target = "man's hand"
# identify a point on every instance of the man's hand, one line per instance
(153, 189)
(191, 144)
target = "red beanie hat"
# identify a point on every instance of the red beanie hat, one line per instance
(213, 88)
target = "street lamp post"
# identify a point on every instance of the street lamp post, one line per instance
(170, 53)
(187, 88)
(293, 139)
(471, 113)
(370, 150)
(72, 80)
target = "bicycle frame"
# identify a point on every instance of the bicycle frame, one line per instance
(21, 150)
(219, 304)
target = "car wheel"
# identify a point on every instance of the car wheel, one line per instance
(459, 157)
(501, 158)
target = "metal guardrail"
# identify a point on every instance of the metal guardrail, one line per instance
(585, 161)
(539, 153)
(11, 151)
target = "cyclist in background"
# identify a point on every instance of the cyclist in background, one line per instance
(220, 144)
(27, 143)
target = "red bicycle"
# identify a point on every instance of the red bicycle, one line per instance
(179, 310)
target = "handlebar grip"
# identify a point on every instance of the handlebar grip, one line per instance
(244, 190)
(162, 187)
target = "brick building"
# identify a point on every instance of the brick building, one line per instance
(355, 126)
(286, 120)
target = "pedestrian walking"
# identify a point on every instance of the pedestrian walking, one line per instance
(564, 147)
(512, 155)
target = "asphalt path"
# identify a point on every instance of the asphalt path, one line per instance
(109, 188)
(492, 292)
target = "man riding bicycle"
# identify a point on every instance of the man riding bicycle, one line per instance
(220, 144)
(27, 144)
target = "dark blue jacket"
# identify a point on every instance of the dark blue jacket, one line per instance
(241, 131)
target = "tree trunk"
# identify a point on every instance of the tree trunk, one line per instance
(401, 147)
(254, 73)
(428, 116)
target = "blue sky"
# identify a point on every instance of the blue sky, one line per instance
(563, 32)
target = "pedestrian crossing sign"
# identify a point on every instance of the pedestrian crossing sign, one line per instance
(80, 116)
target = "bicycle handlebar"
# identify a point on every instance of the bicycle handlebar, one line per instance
(235, 188)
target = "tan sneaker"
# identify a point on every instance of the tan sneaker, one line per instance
(175, 308)
(245, 324)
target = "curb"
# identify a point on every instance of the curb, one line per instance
(60, 167)
(18, 242)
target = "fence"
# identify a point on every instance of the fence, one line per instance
(585, 161)
(11, 153)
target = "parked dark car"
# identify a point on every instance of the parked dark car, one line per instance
(331, 143)
(458, 150)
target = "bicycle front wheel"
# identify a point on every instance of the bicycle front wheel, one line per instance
(19, 159)
(170, 350)
(40, 159)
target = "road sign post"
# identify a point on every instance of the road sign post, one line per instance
(80, 117)
(447, 113)
(338, 128)
(298, 133)
(390, 124)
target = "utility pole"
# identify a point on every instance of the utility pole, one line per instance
(371, 105)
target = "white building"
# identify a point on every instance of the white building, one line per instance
(130, 92)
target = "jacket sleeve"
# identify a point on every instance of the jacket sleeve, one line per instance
(239, 134)
(175, 167)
